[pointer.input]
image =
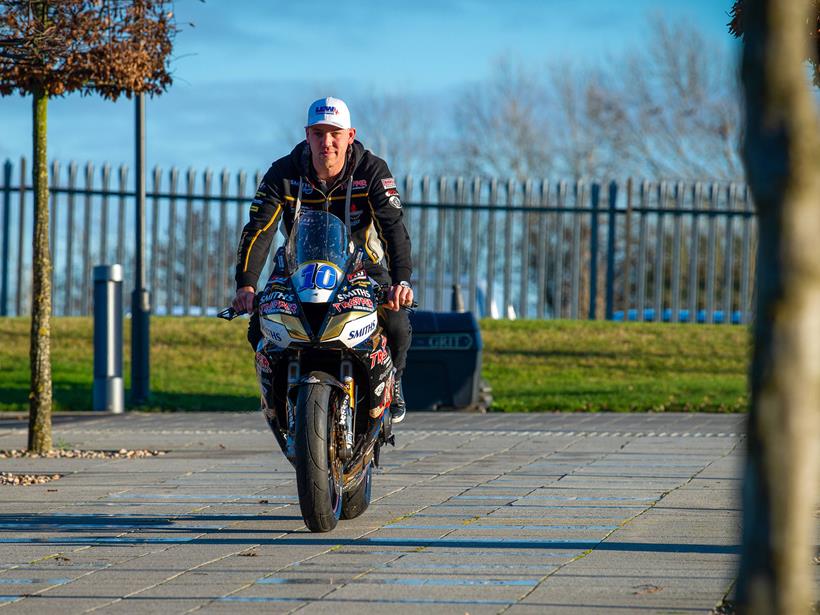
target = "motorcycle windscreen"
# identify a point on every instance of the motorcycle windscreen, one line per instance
(317, 253)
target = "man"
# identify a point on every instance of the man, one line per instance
(324, 167)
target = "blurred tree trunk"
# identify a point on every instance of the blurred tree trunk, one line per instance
(39, 433)
(782, 157)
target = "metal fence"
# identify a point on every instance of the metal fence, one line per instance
(532, 249)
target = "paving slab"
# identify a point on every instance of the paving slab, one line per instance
(495, 513)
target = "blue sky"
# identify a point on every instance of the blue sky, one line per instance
(246, 70)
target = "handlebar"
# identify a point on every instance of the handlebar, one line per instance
(229, 313)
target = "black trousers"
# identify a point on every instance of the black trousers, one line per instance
(396, 326)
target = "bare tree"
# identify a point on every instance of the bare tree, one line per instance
(501, 127)
(675, 111)
(54, 47)
(666, 110)
(397, 128)
(781, 155)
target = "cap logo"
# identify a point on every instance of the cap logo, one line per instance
(326, 110)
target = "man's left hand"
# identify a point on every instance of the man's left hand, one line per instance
(399, 296)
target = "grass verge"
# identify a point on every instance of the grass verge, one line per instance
(206, 364)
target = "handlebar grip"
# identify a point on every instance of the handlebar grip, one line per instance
(229, 313)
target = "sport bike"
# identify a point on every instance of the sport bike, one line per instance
(324, 368)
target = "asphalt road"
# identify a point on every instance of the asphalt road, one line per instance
(495, 513)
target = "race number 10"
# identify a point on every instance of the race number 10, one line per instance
(318, 275)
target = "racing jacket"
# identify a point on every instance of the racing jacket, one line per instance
(376, 217)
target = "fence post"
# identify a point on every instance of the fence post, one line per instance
(108, 393)
(4, 277)
(593, 250)
(610, 251)
(627, 297)
(18, 307)
(156, 185)
(85, 290)
(475, 198)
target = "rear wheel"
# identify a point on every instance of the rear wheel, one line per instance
(355, 502)
(318, 468)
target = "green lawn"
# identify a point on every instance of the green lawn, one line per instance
(606, 366)
(206, 364)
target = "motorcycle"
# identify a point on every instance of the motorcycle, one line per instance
(325, 372)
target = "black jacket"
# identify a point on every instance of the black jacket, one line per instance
(375, 210)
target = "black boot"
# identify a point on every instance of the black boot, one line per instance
(398, 409)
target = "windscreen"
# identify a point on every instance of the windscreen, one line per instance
(317, 253)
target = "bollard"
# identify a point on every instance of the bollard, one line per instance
(108, 393)
(456, 300)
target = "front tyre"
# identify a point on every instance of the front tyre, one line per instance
(318, 468)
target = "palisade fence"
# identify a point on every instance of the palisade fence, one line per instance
(533, 249)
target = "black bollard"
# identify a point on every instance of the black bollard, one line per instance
(456, 301)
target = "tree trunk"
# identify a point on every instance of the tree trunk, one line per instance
(39, 426)
(782, 157)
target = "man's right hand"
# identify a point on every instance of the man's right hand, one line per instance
(243, 301)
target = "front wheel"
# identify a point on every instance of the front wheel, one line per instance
(318, 468)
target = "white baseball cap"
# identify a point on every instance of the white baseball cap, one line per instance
(331, 111)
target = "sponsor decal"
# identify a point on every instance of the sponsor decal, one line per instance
(394, 202)
(279, 279)
(380, 356)
(359, 184)
(379, 389)
(262, 363)
(326, 110)
(392, 192)
(277, 306)
(353, 292)
(361, 274)
(366, 330)
(353, 303)
(276, 294)
(389, 183)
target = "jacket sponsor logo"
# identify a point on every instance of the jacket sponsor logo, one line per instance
(389, 183)
(353, 303)
(359, 183)
(306, 187)
(392, 192)
(359, 275)
(394, 202)
(366, 330)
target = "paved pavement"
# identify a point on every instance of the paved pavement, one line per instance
(495, 513)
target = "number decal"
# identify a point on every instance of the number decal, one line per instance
(318, 275)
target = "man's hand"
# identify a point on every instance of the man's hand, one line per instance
(243, 301)
(399, 296)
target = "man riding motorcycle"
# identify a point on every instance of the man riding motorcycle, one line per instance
(327, 170)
